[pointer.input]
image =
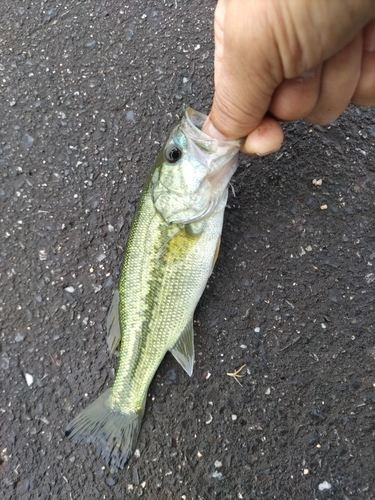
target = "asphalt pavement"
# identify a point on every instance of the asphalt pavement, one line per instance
(88, 92)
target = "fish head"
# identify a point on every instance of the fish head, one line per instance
(191, 175)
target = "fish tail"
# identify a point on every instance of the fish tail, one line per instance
(112, 429)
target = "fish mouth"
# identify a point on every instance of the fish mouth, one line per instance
(195, 121)
(219, 156)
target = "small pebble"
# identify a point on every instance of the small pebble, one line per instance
(325, 485)
(209, 420)
(42, 254)
(23, 487)
(130, 116)
(4, 361)
(217, 475)
(26, 142)
(111, 481)
(257, 329)
(29, 379)
(69, 289)
(128, 34)
(317, 182)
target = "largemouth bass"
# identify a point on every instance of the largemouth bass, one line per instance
(171, 251)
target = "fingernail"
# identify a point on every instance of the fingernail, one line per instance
(210, 129)
(369, 38)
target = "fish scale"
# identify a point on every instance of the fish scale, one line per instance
(173, 282)
(170, 254)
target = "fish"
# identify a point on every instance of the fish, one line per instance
(171, 251)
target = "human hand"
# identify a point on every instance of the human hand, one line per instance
(282, 60)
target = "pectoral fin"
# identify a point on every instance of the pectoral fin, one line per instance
(163, 251)
(113, 324)
(179, 244)
(183, 351)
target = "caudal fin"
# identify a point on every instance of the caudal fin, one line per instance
(112, 429)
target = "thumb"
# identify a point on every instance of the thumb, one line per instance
(236, 114)
(243, 78)
(244, 89)
(240, 105)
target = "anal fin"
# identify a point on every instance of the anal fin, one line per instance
(183, 351)
(113, 324)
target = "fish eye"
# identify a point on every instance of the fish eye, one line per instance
(173, 153)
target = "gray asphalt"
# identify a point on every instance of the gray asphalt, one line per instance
(88, 92)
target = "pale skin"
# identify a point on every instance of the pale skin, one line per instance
(283, 60)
